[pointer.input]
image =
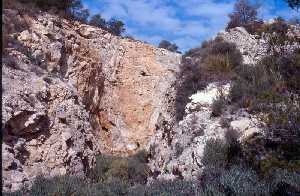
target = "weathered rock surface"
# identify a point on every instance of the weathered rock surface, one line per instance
(71, 91)
(254, 47)
(251, 48)
(176, 152)
(177, 148)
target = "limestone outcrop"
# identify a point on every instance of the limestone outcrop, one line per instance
(251, 47)
(177, 148)
(176, 152)
(72, 91)
(254, 47)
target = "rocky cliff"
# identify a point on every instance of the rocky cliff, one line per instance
(177, 149)
(72, 91)
(177, 153)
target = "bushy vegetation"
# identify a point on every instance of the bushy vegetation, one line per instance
(219, 104)
(70, 185)
(111, 176)
(244, 15)
(270, 89)
(294, 4)
(230, 173)
(116, 27)
(266, 163)
(98, 21)
(263, 87)
(220, 56)
(73, 9)
(215, 60)
(168, 45)
(69, 8)
(130, 170)
(276, 35)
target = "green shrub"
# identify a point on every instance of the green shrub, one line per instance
(130, 170)
(168, 45)
(277, 37)
(234, 180)
(255, 85)
(218, 107)
(243, 15)
(242, 181)
(284, 121)
(218, 63)
(219, 104)
(116, 27)
(138, 169)
(98, 21)
(58, 186)
(215, 153)
(220, 56)
(213, 61)
(166, 188)
(190, 79)
(271, 88)
(112, 188)
(289, 68)
(68, 8)
(225, 122)
(254, 27)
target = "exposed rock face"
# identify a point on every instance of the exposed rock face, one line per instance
(176, 152)
(251, 48)
(71, 91)
(177, 148)
(139, 89)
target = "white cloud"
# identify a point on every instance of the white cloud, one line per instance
(268, 11)
(208, 9)
(142, 12)
(186, 23)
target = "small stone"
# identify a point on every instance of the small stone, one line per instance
(24, 35)
(132, 147)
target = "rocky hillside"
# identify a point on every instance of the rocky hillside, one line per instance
(71, 91)
(177, 150)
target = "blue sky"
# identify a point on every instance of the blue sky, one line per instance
(184, 22)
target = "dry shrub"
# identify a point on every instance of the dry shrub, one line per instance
(130, 170)
(220, 56)
(219, 103)
(213, 61)
(215, 153)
